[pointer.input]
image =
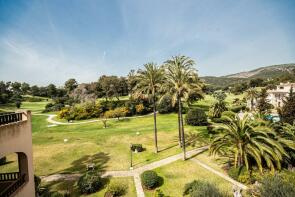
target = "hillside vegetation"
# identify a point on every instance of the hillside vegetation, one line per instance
(267, 72)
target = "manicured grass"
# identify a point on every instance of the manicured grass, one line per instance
(71, 186)
(108, 148)
(215, 162)
(36, 107)
(177, 174)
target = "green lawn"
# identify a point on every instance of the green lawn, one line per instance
(177, 174)
(35, 107)
(108, 148)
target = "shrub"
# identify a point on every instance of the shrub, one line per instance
(53, 107)
(165, 105)
(238, 108)
(81, 111)
(288, 176)
(242, 175)
(64, 113)
(90, 182)
(18, 104)
(137, 147)
(150, 179)
(276, 186)
(117, 113)
(117, 188)
(139, 108)
(196, 117)
(2, 161)
(201, 189)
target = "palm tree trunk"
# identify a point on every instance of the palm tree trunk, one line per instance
(179, 126)
(182, 129)
(155, 124)
(252, 104)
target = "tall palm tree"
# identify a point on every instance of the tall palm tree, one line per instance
(252, 94)
(149, 82)
(182, 80)
(245, 139)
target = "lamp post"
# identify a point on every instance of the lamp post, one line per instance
(131, 166)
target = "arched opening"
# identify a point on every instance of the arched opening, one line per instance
(13, 172)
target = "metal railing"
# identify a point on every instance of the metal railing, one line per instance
(6, 118)
(14, 186)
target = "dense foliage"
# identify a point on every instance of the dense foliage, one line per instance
(276, 186)
(150, 179)
(201, 189)
(90, 182)
(117, 188)
(82, 111)
(196, 117)
(165, 105)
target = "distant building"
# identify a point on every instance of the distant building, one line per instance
(276, 96)
(16, 138)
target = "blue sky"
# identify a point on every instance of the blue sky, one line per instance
(50, 41)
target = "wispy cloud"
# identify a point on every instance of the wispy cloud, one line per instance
(51, 42)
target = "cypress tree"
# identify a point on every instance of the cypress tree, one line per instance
(263, 105)
(287, 112)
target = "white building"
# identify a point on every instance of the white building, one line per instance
(276, 96)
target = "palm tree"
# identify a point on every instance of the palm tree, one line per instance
(286, 136)
(182, 80)
(218, 108)
(252, 94)
(149, 82)
(245, 139)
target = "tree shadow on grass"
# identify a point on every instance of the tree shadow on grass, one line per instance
(80, 165)
(160, 181)
(167, 148)
(124, 120)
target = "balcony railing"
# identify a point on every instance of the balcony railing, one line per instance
(11, 176)
(11, 182)
(9, 117)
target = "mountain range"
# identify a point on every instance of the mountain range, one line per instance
(266, 72)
